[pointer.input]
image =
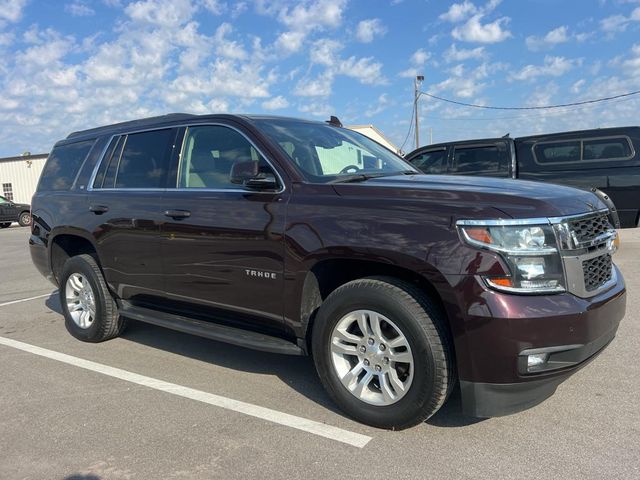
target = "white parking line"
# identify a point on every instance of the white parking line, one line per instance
(27, 299)
(310, 426)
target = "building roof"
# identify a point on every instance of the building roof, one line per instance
(375, 134)
(36, 156)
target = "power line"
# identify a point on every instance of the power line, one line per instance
(544, 107)
(413, 112)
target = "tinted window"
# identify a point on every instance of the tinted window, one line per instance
(558, 152)
(62, 166)
(434, 162)
(606, 149)
(145, 160)
(485, 159)
(106, 175)
(209, 153)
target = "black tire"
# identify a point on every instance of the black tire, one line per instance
(107, 323)
(5, 225)
(24, 219)
(423, 325)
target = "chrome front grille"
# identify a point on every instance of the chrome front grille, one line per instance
(590, 228)
(586, 243)
(597, 272)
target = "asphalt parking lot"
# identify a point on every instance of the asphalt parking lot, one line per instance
(60, 419)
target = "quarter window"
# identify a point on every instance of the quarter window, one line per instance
(606, 149)
(62, 166)
(208, 154)
(434, 162)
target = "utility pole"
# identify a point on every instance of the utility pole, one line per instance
(416, 95)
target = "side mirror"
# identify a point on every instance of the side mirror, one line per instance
(248, 174)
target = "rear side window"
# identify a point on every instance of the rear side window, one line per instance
(558, 152)
(606, 149)
(486, 159)
(433, 162)
(139, 160)
(62, 166)
(571, 151)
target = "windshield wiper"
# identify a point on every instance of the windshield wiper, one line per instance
(357, 177)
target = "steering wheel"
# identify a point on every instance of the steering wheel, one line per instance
(346, 169)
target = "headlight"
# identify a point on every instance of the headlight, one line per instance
(530, 251)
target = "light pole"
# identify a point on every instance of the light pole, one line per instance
(416, 95)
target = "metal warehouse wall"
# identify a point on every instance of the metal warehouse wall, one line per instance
(23, 174)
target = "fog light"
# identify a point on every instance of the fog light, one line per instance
(536, 360)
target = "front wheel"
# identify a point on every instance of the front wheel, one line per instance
(382, 351)
(24, 219)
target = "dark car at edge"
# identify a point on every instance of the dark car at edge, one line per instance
(306, 238)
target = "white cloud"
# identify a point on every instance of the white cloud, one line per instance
(215, 6)
(467, 84)
(619, 23)
(79, 9)
(380, 106)
(367, 30)
(324, 52)
(228, 48)
(453, 54)
(550, 40)
(365, 70)
(320, 86)
(459, 11)
(475, 31)
(11, 10)
(552, 66)
(577, 86)
(162, 13)
(418, 59)
(276, 103)
(290, 42)
(317, 109)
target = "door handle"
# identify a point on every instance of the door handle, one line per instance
(98, 209)
(177, 214)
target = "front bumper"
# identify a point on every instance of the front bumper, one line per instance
(500, 329)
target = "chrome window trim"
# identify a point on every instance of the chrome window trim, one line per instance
(581, 141)
(171, 189)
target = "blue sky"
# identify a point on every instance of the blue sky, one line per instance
(75, 64)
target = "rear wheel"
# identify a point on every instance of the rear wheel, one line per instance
(382, 352)
(5, 225)
(90, 312)
(24, 219)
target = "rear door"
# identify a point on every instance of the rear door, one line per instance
(224, 250)
(127, 211)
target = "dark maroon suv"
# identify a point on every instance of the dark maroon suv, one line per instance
(301, 237)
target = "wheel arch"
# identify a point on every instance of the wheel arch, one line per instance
(64, 244)
(327, 274)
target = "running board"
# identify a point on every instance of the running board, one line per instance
(213, 331)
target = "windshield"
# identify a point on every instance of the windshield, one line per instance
(325, 153)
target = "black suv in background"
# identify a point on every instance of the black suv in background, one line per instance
(299, 237)
(606, 159)
(14, 212)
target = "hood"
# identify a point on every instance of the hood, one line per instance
(515, 198)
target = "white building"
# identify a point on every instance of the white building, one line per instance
(374, 134)
(19, 176)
